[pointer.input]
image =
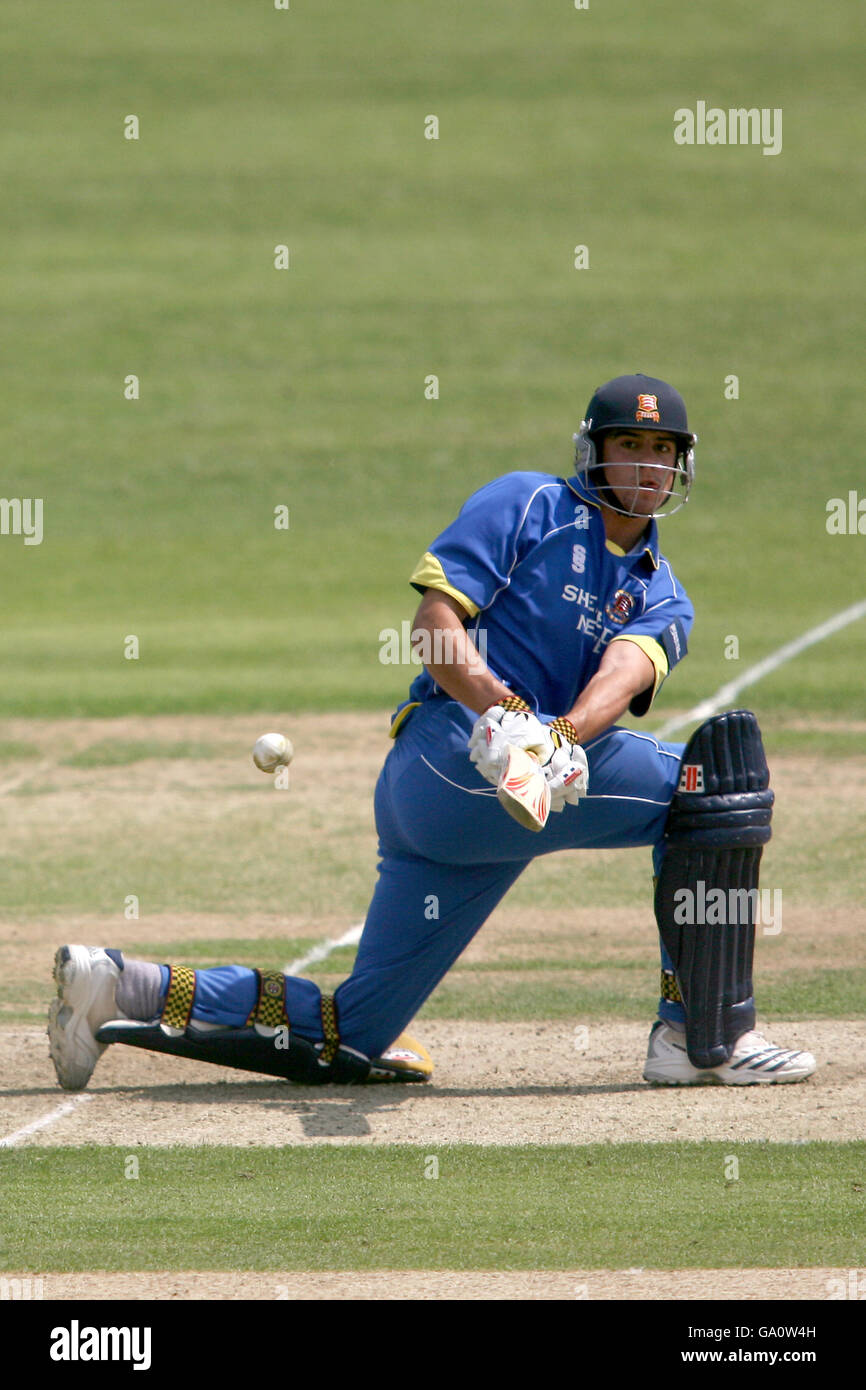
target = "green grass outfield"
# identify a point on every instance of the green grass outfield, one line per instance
(524, 1207)
(408, 257)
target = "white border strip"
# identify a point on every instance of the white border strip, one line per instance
(729, 692)
(349, 938)
(43, 1121)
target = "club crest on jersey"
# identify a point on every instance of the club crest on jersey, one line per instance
(620, 606)
(647, 408)
(691, 778)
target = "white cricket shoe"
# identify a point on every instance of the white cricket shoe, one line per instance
(86, 982)
(754, 1062)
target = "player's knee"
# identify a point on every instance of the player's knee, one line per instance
(723, 796)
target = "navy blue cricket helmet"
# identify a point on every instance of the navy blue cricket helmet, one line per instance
(635, 402)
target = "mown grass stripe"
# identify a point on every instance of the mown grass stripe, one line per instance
(434, 1206)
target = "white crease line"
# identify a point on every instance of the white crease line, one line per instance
(349, 938)
(43, 1121)
(29, 774)
(729, 692)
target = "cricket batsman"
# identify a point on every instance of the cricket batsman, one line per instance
(550, 612)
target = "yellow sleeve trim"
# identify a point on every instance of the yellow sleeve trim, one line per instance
(429, 574)
(657, 655)
(400, 719)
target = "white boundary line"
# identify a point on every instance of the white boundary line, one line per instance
(729, 692)
(43, 1121)
(30, 773)
(349, 938)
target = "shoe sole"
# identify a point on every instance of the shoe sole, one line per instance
(741, 1079)
(404, 1060)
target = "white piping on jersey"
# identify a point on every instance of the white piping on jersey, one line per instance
(541, 488)
(470, 791)
(671, 574)
(604, 796)
(633, 733)
(609, 796)
(494, 596)
(567, 527)
(668, 597)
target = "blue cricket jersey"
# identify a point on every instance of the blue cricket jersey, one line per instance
(546, 592)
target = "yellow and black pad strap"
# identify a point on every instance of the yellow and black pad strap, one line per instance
(270, 1007)
(670, 990)
(179, 1000)
(330, 1030)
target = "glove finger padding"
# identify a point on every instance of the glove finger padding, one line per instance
(567, 775)
(501, 726)
(567, 769)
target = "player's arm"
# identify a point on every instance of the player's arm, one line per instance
(461, 672)
(625, 671)
(499, 735)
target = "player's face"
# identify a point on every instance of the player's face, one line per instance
(640, 468)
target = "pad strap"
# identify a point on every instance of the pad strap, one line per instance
(179, 1000)
(269, 1010)
(330, 1029)
(265, 1044)
(670, 990)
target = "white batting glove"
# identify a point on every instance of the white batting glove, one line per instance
(565, 766)
(510, 721)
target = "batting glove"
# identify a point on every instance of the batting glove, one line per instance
(509, 721)
(564, 763)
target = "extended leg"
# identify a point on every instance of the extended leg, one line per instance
(422, 916)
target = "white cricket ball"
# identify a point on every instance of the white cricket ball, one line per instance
(272, 751)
